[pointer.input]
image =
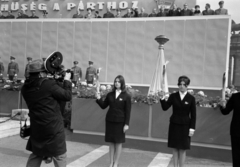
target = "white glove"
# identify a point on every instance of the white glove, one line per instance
(98, 96)
(125, 128)
(67, 76)
(191, 132)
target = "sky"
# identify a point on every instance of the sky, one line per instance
(233, 7)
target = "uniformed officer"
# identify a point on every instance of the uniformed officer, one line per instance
(77, 71)
(90, 73)
(12, 69)
(1, 68)
(26, 74)
(221, 10)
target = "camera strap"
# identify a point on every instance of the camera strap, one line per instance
(25, 124)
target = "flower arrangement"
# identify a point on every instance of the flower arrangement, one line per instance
(15, 85)
(202, 100)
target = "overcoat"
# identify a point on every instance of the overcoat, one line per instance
(47, 136)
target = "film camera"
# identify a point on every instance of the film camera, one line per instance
(53, 64)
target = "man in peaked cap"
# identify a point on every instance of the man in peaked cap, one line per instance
(12, 69)
(221, 10)
(1, 69)
(77, 71)
(29, 59)
(91, 73)
(43, 96)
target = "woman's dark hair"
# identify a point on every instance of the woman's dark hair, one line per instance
(122, 81)
(185, 79)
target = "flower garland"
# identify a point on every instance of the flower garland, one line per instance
(202, 100)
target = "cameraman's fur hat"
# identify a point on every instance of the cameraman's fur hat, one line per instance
(36, 66)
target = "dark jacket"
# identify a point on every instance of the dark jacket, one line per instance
(208, 12)
(91, 73)
(108, 15)
(1, 67)
(161, 14)
(186, 12)
(77, 71)
(221, 11)
(26, 74)
(233, 105)
(142, 15)
(119, 109)
(174, 13)
(152, 15)
(33, 17)
(10, 16)
(77, 16)
(184, 111)
(12, 68)
(47, 136)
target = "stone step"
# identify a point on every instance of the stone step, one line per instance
(9, 132)
(9, 128)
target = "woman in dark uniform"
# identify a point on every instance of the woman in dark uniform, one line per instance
(182, 121)
(117, 118)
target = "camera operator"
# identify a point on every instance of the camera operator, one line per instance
(42, 95)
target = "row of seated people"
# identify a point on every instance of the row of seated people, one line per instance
(21, 15)
(174, 11)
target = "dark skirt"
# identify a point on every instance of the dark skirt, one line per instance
(178, 136)
(114, 132)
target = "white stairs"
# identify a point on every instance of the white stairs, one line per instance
(9, 128)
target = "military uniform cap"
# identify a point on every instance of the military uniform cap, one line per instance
(75, 62)
(221, 2)
(90, 62)
(12, 58)
(29, 58)
(53, 61)
(36, 66)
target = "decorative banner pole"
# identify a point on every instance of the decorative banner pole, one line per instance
(224, 87)
(97, 80)
(159, 80)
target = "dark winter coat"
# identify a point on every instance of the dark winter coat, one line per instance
(47, 136)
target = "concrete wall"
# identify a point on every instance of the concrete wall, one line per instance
(198, 46)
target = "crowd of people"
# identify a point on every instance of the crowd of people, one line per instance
(157, 12)
(160, 11)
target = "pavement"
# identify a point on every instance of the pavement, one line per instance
(13, 153)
